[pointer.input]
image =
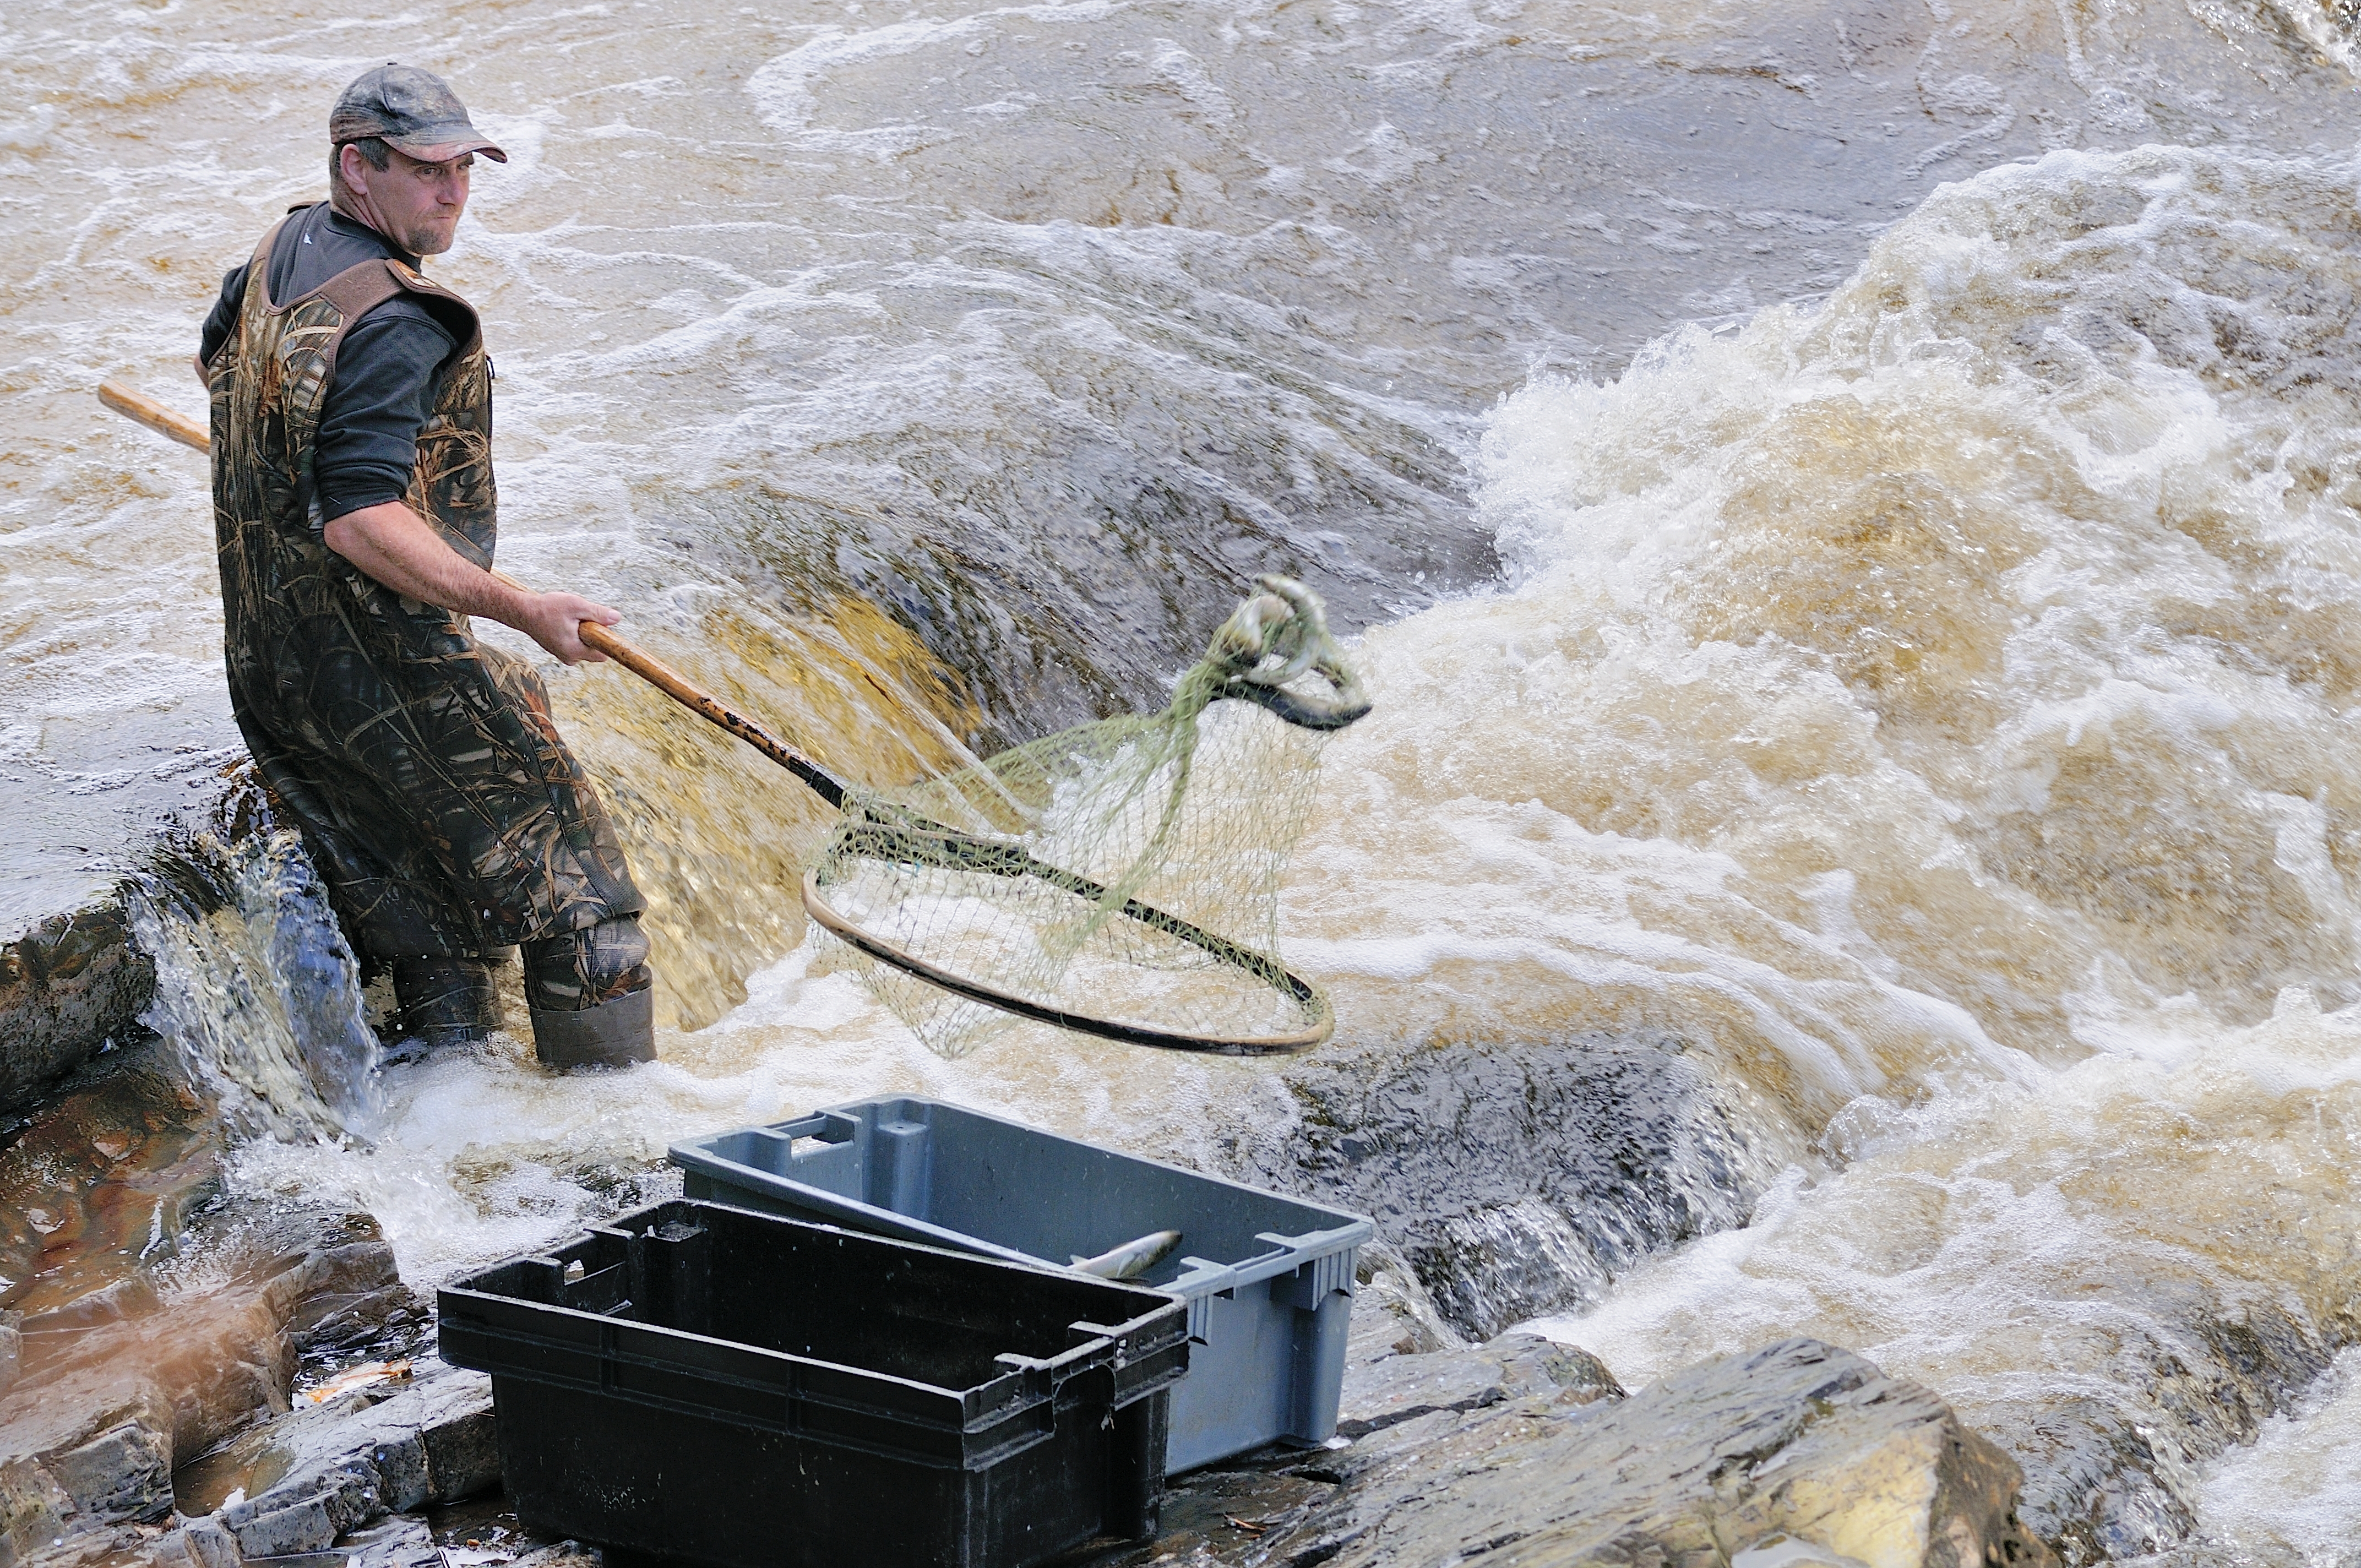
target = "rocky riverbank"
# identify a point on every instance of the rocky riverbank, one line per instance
(167, 1394)
(73, 977)
(1516, 1450)
(163, 1341)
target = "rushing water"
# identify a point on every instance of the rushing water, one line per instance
(1898, 637)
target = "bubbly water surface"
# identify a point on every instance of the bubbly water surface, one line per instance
(1898, 636)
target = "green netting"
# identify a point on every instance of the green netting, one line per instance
(1121, 876)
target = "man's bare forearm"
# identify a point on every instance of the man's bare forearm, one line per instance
(405, 552)
(397, 547)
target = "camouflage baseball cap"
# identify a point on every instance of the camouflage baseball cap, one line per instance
(410, 109)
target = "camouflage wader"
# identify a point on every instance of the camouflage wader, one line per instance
(445, 813)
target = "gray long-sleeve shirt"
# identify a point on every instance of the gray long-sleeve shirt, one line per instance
(387, 368)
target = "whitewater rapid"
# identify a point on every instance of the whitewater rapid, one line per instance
(1983, 638)
(1931, 698)
(1935, 706)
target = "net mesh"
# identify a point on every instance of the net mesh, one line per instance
(1124, 873)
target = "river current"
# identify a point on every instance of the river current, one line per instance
(1848, 513)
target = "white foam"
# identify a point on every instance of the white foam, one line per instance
(1930, 703)
(2298, 1486)
(788, 87)
(1929, 639)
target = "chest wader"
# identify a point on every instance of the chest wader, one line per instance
(445, 815)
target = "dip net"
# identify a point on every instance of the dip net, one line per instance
(1120, 878)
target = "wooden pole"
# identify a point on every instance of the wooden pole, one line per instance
(153, 414)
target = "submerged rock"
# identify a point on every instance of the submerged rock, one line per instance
(2108, 1478)
(1518, 1180)
(97, 1190)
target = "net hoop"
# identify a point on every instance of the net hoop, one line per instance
(1322, 1025)
(1047, 794)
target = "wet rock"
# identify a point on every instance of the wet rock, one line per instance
(1531, 1366)
(1386, 1393)
(1392, 1313)
(33, 1511)
(564, 1554)
(197, 1543)
(66, 982)
(1799, 1440)
(80, 1454)
(286, 1525)
(12, 1350)
(398, 1541)
(89, 1434)
(124, 1547)
(1517, 1181)
(1799, 1449)
(124, 1473)
(1383, 1392)
(100, 1187)
(326, 1277)
(1215, 1516)
(132, 1296)
(2117, 1477)
(336, 1467)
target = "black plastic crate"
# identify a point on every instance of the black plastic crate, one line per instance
(717, 1387)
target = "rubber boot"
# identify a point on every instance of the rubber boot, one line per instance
(590, 994)
(445, 1002)
(616, 1033)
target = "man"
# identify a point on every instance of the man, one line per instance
(353, 509)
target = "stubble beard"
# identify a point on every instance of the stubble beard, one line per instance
(430, 239)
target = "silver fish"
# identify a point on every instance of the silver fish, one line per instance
(1131, 1260)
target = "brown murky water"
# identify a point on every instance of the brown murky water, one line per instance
(1924, 680)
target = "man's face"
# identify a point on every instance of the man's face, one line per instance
(414, 202)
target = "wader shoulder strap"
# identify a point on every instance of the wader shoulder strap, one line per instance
(355, 291)
(257, 266)
(444, 303)
(360, 289)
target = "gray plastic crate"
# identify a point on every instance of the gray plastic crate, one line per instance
(1269, 1280)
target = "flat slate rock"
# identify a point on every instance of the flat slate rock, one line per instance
(397, 1541)
(348, 1464)
(1796, 1455)
(1386, 1393)
(1796, 1443)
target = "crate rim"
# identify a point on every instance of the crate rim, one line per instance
(1208, 1278)
(1127, 1343)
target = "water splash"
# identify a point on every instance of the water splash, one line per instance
(1937, 703)
(256, 987)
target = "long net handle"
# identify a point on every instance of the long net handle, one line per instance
(702, 703)
(146, 411)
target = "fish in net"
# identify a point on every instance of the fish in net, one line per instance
(1120, 878)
